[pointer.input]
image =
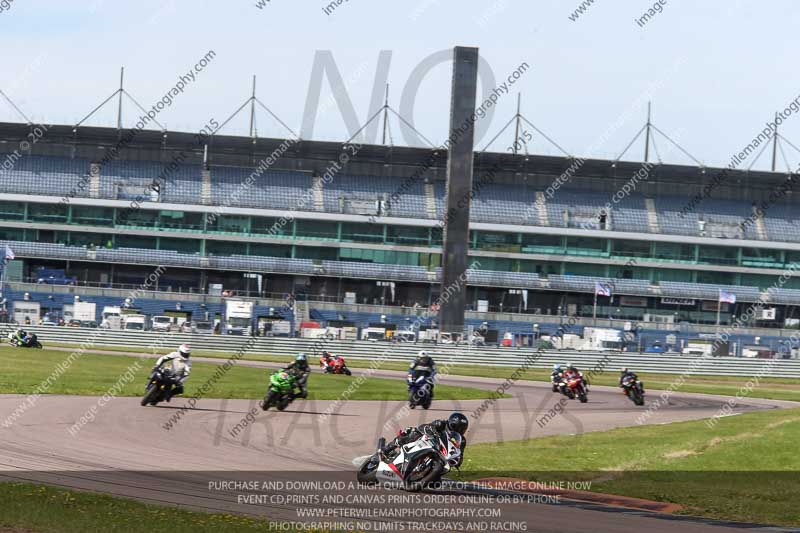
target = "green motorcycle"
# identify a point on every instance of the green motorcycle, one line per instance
(280, 391)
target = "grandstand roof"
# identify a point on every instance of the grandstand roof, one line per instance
(393, 160)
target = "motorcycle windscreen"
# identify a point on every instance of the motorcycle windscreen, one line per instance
(453, 444)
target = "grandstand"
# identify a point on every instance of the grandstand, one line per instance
(211, 219)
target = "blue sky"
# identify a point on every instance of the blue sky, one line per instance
(720, 67)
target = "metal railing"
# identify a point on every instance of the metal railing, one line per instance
(405, 352)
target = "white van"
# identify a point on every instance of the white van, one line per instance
(162, 323)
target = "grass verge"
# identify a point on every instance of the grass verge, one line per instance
(45, 509)
(22, 370)
(746, 468)
(770, 388)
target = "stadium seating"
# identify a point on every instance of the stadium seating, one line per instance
(492, 202)
(45, 175)
(233, 186)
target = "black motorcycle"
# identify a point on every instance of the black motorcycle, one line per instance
(634, 389)
(160, 386)
(31, 341)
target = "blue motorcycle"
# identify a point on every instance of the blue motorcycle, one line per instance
(419, 392)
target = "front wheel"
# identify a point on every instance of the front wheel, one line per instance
(269, 400)
(636, 396)
(368, 472)
(426, 402)
(347, 371)
(412, 400)
(150, 396)
(283, 401)
(423, 471)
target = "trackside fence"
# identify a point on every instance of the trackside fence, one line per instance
(404, 352)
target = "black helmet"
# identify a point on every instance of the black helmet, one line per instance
(624, 370)
(457, 422)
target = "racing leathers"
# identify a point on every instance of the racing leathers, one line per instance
(22, 337)
(181, 366)
(628, 375)
(556, 375)
(412, 433)
(573, 372)
(300, 370)
(326, 360)
(423, 366)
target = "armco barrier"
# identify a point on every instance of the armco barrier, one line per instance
(490, 355)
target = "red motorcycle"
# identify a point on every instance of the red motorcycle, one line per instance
(573, 386)
(335, 365)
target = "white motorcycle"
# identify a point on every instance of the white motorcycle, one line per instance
(417, 465)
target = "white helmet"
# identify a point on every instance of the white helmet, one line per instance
(184, 350)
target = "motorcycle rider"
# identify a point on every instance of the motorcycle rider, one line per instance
(181, 366)
(626, 373)
(300, 370)
(457, 422)
(555, 375)
(423, 365)
(573, 372)
(326, 360)
(21, 337)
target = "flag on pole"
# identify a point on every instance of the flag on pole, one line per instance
(9, 255)
(602, 289)
(727, 297)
